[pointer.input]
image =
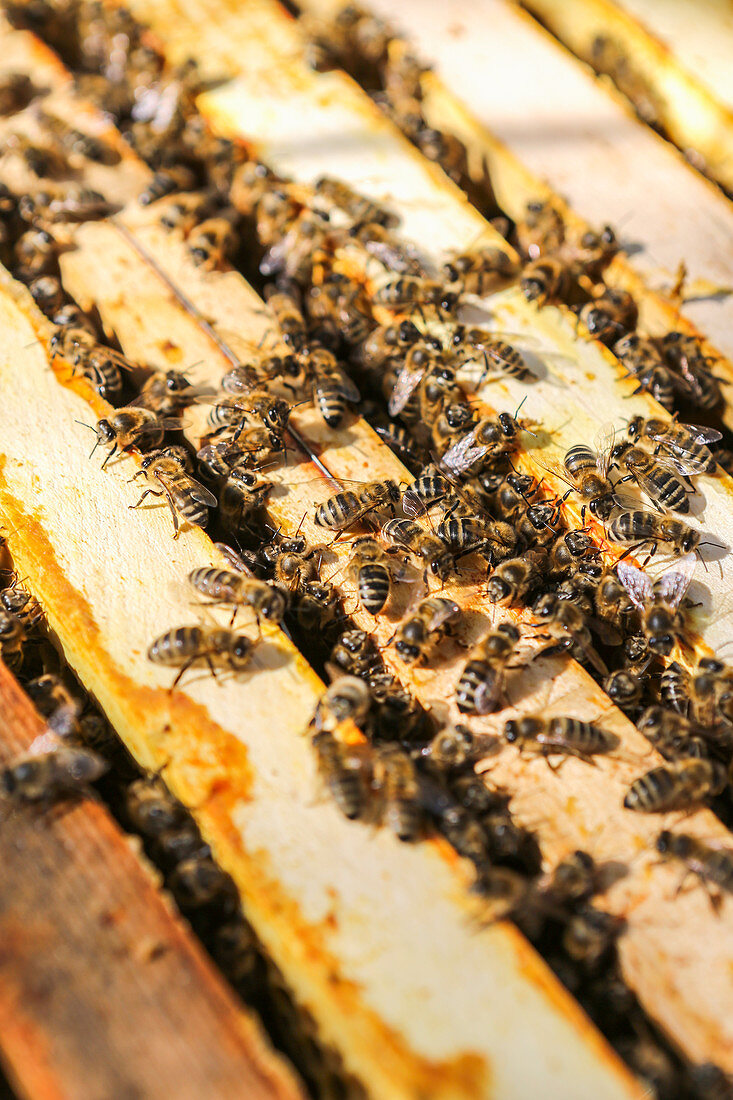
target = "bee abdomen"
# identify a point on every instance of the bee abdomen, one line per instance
(404, 818)
(374, 587)
(337, 510)
(476, 691)
(176, 646)
(217, 584)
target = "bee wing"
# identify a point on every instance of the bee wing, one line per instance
(493, 351)
(603, 443)
(201, 494)
(636, 583)
(673, 585)
(348, 389)
(165, 424)
(627, 502)
(462, 455)
(678, 465)
(447, 610)
(412, 505)
(701, 433)
(237, 562)
(116, 357)
(406, 384)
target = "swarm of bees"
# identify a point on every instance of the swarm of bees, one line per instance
(394, 349)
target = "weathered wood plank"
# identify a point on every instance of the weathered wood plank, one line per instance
(104, 991)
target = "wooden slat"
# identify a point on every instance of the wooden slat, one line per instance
(546, 127)
(684, 1006)
(103, 990)
(682, 51)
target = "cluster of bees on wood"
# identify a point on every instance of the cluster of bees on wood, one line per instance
(393, 348)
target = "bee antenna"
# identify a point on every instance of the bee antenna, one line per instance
(520, 405)
(91, 429)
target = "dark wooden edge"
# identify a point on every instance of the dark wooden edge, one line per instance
(104, 991)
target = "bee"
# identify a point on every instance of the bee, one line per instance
(292, 253)
(643, 360)
(542, 230)
(443, 147)
(508, 494)
(640, 527)
(212, 243)
(151, 807)
(36, 253)
(609, 56)
(373, 571)
(342, 307)
(625, 689)
(466, 534)
(676, 786)
(427, 489)
(574, 879)
(481, 272)
(333, 390)
(130, 427)
(452, 748)
(76, 142)
(684, 353)
(686, 443)
(175, 177)
(237, 412)
(102, 366)
(70, 316)
(587, 470)
(398, 716)
(284, 302)
(453, 422)
(570, 549)
(589, 936)
(566, 625)
(411, 292)
(348, 507)
(440, 392)
(592, 254)
(560, 735)
(420, 358)
(347, 699)
(393, 252)
(656, 476)
(253, 447)
(544, 280)
(184, 211)
(421, 629)
(19, 603)
(197, 882)
(12, 638)
(184, 495)
(240, 589)
(358, 207)
(513, 579)
(52, 699)
(167, 392)
(16, 92)
(580, 587)
(346, 772)
(675, 684)
(387, 342)
(48, 294)
(481, 685)
(45, 159)
(672, 734)
(396, 781)
(242, 496)
(65, 770)
(537, 524)
(429, 549)
(184, 646)
(73, 203)
(612, 601)
(713, 865)
(659, 601)
(610, 316)
(711, 692)
(470, 343)
(490, 438)
(354, 654)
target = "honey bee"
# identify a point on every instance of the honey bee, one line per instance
(430, 550)
(65, 770)
(184, 646)
(424, 627)
(240, 589)
(676, 786)
(175, 177)
(640, 527)
(481, 272)
(544, 280)
(396, 781)
(672, 734)
(354, 654)
(36, 253)
(130, 427)
(16, 92)
(643, 360)
(656, 476)
(468, 533)
(254, 446)
(373, 572)
(76, 142)
(102, 366)
(454, 421)
(347, 699)
(237, 412)
(292, 254)
(212, 243)
(452, 748)
(560, 735)
(348, 507)
(686, 443)
(542, 230)
(284, 302)
(71, 203)
(167, 392)
(197, 882)
(151, 807)
(342, 307)
(625, 689)
(711, 692)
(675, 684)
(16, 601)
(333, 390)
(610, 316)
(684, 353)
(184, 211)
(508, 494)
(567, 628)
(589, 936)
(609, 56)
(70, 316)
(398, 716)
(537, 524)
(714, 866)
(45, 159)
(470, 343)
(487, 440)
(659, 601)
(612, 602)
(241, 497)
(48, 294)
(414, 293)
(570, 549)
(12, 637)
(588, 470)
(481, 684)
(513, 579)
(346, 772)
(387, 342)
(55, 702)
(393, 252)
(184, 495)
(574, 879)
(427, 489)
(358, 207)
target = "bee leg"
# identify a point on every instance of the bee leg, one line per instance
(113, 451)
(148, 492)
(181, 672)
(555, 768)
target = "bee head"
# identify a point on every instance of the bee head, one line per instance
(105, 431)
(511, 731)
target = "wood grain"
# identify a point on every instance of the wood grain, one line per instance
(104, 991)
